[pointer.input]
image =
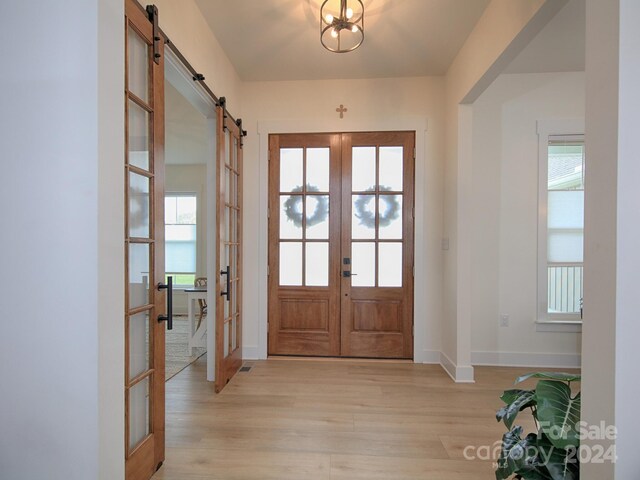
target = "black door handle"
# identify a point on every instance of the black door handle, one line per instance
(227, 293)
(169, 316)
(347, 274)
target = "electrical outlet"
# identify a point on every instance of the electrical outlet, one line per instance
(504, 320)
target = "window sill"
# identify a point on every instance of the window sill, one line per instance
(562, 326)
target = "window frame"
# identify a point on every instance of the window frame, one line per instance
(195, 272)
(546, 129)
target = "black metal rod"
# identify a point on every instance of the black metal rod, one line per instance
(169, 316)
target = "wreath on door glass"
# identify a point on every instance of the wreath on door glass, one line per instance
(293, 207)
(367, 216)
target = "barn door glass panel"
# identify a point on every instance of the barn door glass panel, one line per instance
(143, 334)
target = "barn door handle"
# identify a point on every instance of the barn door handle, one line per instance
(169, 316)
(347, 274)
(226, 272)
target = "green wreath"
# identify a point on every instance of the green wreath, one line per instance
(293, 207)
(368, 218)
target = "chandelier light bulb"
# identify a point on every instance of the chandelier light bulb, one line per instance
(354, 29)
(334, 33)
(329, 18)
(349, 13)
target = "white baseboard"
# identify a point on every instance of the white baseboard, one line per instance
(458, 373)
(464, 373)
(428, 357)
(533, 360)
(250, 352)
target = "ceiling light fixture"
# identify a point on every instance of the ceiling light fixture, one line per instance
(343, 31)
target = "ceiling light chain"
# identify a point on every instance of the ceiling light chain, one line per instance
(343, 32)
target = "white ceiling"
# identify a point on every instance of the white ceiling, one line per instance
(559, 47)
(185, 130)
(280, 39)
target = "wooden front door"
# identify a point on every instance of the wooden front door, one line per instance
(145, 292)
(341, 244)
(229, 249)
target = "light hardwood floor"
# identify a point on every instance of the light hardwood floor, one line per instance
(332, 420)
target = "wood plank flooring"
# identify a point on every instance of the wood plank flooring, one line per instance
(332, 420)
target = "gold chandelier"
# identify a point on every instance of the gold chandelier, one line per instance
(342, 31)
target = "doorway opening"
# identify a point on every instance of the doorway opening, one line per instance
(341, 244)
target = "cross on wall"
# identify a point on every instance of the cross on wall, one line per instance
(341, 110)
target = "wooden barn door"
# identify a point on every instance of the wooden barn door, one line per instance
(147, 298)
(229, 250)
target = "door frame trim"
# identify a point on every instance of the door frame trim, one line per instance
(416, 123)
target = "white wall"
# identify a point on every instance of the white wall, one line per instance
(504, 29)
(381, 103)
(191, 179)
(505, 217)
(60, 358)
(612, 233)
(186, 27)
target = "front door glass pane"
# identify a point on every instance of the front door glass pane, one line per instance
(318, 169)
(390, 264)
(291, 169)
(317, 264)
(391, 168)
(291, 216)
(363, 170)
(363, 262)
(317, 217)
(390, 208)
(363, 217)
(290, 263)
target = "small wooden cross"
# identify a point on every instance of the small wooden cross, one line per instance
(341, 110)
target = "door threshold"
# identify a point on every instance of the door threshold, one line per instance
(339, 359)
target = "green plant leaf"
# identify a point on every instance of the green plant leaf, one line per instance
(560, 376)
(558, 413)
(519, 456)
(509, 396)
(520, 401)
(560, 463)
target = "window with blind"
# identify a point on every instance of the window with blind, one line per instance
(180, 213)
(564, 208)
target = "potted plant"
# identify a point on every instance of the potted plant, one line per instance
(551, 452)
